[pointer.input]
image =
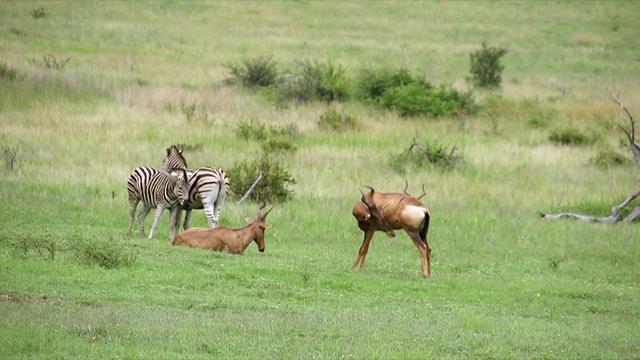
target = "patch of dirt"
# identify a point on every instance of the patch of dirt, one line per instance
(29, 299)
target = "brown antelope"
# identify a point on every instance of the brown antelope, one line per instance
(378, 211)
(224, 239)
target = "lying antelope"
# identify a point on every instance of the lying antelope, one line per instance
(224, 239)
(386, 212)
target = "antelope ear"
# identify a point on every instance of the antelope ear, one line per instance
(268, 226)
(248, 220)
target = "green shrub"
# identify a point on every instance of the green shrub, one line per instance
(7, 72)
(609, 158)
(273, 138)
(12, 156)
(372, 83)
(49, 62)
(313, 81)
(569, 136)
(107, 254)
(486, 70)
(25, 244)
(274, 184)
(256, 72)
(192, 114)
(422, 98)
(38, 13)
(335, 121)
(428, 154)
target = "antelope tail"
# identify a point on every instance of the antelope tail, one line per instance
(425, 228)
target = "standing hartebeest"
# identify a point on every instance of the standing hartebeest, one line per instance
(378, 211)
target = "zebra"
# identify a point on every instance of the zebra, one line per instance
(208, 187)
(158, 189)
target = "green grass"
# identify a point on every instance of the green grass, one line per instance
(506, 284)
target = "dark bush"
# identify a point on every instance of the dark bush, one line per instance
(107, 253)
(335, 121)
(569, 136)
(273, 185)
(7, 72)
(49, 62)
(609, 158)
(422, 98)
(428, 154)
(38, 13)
(273, 138)
(256, 72)
(313, 81)
(486, 70)
(372, 83)
(26, 244)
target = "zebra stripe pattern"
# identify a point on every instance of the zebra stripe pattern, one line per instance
(158, 189)
(208, 187)
(174, 159)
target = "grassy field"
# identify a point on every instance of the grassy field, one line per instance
(506, 284)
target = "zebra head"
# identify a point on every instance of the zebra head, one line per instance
(181, 187)
(174, 159)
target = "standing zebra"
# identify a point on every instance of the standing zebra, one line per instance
(158, 189)
(208, 187)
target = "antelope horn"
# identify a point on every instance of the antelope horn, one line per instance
(423, 193)
(406, 186)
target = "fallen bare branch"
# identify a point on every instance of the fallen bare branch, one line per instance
(613, 217)
(255, 183)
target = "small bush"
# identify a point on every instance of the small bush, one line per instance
(313, 81)
(107, 254)
(609, 158)
(38, 13)
(372, 83)
(12, 156)
(429, 154)
(256, 72)
(7, 72)
(192, 114)
(335, 121)
(273, 138)
(26, 244)
(422, 98)
(274, 184)
(486, 70)
(569, 136)
(49, 62)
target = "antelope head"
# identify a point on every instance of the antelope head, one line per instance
(374, 213)
(261, 223)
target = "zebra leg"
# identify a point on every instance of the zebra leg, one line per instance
(143, 215)
(132, 214)
(175, 215)
(208, 210)
(156, 221)
(187, 220)
(219, 204)
(208, 203)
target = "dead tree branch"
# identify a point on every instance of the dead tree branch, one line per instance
(255, 183)
(614, 216)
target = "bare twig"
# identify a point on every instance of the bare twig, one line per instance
(255, 183)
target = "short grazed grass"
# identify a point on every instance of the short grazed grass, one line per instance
(74, 284)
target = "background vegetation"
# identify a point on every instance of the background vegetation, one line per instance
(90, 90)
